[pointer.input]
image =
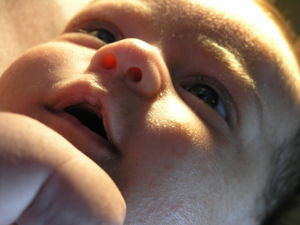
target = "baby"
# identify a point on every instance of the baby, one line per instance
(186, 110)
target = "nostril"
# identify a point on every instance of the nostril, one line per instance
(132, 64)
(134, 74)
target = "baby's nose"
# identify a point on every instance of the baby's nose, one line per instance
(136, 63)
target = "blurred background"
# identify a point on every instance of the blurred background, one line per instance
(290, 9)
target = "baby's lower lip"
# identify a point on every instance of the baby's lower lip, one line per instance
(87, 141)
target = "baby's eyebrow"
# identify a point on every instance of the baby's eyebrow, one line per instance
(232, 61)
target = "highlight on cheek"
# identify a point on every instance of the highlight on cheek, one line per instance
(109, 61)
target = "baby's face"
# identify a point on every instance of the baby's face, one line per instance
(192, 111)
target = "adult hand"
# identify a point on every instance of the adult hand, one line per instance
(46, 180)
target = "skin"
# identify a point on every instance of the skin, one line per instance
(18, 28)
(174, 158)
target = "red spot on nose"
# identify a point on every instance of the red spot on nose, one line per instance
(134, 74)
(109, 61)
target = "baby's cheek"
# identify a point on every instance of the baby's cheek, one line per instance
(177, 129)
(173, 143)
(35, 66)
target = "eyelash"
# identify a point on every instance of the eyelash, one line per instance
(224, 102)
(106, 34)
(100, 29)
(97, 32)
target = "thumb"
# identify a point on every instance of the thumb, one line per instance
(46, 180)
(78, 192)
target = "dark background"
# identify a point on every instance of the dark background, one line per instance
(290, 9)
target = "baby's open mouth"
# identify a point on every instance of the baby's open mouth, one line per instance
(88, 117)
(77, 114)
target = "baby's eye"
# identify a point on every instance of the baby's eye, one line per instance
(103, 34)
(209, 96)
